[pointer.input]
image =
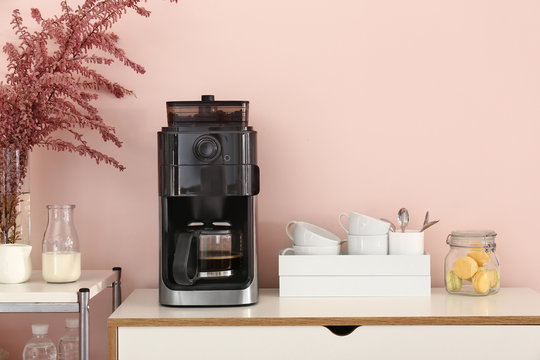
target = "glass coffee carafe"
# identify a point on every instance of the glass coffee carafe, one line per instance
(206, 253)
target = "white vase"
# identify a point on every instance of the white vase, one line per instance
(15, 263)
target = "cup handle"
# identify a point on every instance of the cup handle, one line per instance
(341, 224)
(285, 251)
(287, 227)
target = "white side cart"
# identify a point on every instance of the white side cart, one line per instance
(38, 296)
(505, 325)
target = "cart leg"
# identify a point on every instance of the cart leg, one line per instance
(84, 334)
(117, 288)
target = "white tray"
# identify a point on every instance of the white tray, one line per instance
(312, 265)
(354, 275)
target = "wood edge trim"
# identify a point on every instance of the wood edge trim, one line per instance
(113, 341)
(329, 321)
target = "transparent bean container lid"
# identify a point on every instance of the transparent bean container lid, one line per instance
(206, 112)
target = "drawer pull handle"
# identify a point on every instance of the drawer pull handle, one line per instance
(341, 330)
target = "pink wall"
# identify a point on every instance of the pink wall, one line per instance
(363, 106)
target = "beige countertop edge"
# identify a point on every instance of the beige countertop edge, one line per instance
(326, 321)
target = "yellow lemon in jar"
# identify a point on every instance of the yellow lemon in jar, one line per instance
(481, 283)
(453, 282)
(465, 267)
(494, 278)
(481, 256)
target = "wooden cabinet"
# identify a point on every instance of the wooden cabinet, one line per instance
(500, 326)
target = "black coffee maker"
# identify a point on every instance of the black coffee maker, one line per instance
(208, 179)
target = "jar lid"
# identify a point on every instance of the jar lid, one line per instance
(472, 238)
(67, 206)
(481, 234)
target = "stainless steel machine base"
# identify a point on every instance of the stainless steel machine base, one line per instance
(208, 297)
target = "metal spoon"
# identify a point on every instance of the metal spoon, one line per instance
(403, 219)
(429, 224)
(426, 219)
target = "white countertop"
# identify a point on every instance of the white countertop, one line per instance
(36, 290)
(508, 306)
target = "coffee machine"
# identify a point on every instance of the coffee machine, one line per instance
(208, 181)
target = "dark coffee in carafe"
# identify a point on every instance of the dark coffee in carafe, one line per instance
(215, 261)
(215, 253)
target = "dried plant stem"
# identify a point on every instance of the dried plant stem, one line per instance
(8, 218)
(13, 167)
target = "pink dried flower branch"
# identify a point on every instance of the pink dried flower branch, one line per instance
(47, 91)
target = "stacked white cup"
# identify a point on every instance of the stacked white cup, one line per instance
(366, 235)
(309, 239)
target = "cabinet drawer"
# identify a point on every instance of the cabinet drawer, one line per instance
(317, 342)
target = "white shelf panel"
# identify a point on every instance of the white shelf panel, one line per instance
(36, 290)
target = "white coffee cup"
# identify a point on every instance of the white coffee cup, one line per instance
(306, 234)
(312, 250)
(367, 244)
(410, 242)
(360, 224)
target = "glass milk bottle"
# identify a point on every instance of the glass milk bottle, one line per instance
(61, 257)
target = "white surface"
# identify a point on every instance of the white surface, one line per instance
(37, 290)
(317, 342)
(15, 263)
(354, 286)
(367, 244)
(144, 304)
(354, 265)
(306, 234)
(360, 224)
(410, 242)
(312, 250)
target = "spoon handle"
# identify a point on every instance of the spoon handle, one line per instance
(428, 225)
(392, 226)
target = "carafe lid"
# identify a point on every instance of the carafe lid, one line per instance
(207, 111)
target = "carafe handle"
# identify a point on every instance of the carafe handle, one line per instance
(182, 251)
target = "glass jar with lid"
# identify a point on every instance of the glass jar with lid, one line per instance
(471, 266)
